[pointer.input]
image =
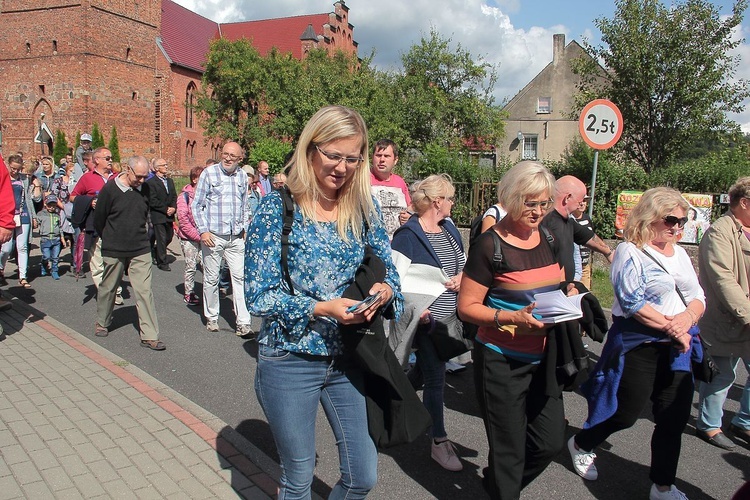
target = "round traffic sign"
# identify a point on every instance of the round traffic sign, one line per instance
(600, 124)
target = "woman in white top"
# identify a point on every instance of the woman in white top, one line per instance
(647, 355)
(494, 214)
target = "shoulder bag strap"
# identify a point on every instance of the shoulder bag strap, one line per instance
(677, 289)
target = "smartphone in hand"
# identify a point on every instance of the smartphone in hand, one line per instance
(364, 304)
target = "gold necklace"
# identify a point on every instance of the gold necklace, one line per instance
(325, 215)
(332, 200)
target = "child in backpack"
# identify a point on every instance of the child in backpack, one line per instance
(47, 221)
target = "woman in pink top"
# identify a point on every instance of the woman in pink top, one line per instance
(189, 236)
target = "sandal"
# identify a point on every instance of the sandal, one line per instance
(24, 283)
(156, 345)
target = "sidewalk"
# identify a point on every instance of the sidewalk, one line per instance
(78, 422)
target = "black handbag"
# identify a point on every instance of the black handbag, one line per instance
(704, 370)
(447, 337)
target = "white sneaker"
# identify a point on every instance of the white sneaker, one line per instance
(583, 461)
(244, 331)
(212, 325)
(444, 453)
(671, 494)
(118, 300)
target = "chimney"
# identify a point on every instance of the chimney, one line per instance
(558, 47)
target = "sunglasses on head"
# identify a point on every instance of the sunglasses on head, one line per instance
(671, 220)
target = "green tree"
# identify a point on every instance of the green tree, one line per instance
(61, 146)
(230, 97)
(78, 141)
(671, 72)
(97, 139)
(270, 150)
(447, 95)
(114, 145)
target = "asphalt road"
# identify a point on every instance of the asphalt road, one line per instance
(217, 372)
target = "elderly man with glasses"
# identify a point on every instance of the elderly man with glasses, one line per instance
(220, 212)
(120, 219)
(163, 205)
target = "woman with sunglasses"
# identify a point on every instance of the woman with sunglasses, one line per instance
(525, 425)
(430, 245)
(647, 354)
(301, 362)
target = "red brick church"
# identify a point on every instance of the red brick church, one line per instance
(134, 64)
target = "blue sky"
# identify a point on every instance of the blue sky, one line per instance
(516, 35)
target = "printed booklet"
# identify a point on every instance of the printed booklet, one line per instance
(556, 307)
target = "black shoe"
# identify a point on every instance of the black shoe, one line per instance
(719, 440)
(740, 433)
(164, 267)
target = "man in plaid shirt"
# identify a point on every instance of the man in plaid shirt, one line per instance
(219, 209)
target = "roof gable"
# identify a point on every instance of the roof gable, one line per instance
(185, 35)
(572, 51)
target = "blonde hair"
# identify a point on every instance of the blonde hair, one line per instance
(524, 179)
(428, 190)
(740, 189)
(654, 204)
(329, 124)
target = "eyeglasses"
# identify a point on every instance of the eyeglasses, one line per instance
(162, 165)
(139, 177)
(230, 156)
(543, 205)
(350, 161)
(108, 158)
(671, 220)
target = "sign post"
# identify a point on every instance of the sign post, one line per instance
(601, 126)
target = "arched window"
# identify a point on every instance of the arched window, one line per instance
(189, 104)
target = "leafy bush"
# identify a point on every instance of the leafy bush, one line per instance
(270, 150)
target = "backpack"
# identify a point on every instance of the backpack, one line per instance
(475, 229)
(470, 329)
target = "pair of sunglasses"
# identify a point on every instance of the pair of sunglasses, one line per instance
(671, 220)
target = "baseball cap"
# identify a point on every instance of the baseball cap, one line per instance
(51, 199)
(248, 169)
(86, 137)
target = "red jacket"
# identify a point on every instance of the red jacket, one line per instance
(7, 200)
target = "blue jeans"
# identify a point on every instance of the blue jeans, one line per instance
(712, 396)
(50, 252)
(289, 387)
(431, 371)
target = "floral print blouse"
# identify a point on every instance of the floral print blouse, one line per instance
(321, 265)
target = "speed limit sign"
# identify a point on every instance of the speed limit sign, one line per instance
(600, 124)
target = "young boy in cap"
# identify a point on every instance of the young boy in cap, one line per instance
(47, 221)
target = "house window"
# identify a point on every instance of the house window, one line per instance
(189, 105)
(544, 105)
(530, 147)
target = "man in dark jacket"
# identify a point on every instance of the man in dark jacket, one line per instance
(163, 205)
(120, 218)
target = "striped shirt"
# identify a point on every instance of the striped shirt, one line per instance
(219, 206)
(452, 260)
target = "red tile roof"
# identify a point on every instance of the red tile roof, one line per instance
(185, 35)
(283, 33)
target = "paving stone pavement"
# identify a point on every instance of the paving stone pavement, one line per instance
(78, 422)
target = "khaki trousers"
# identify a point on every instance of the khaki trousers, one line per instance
(139, 272)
